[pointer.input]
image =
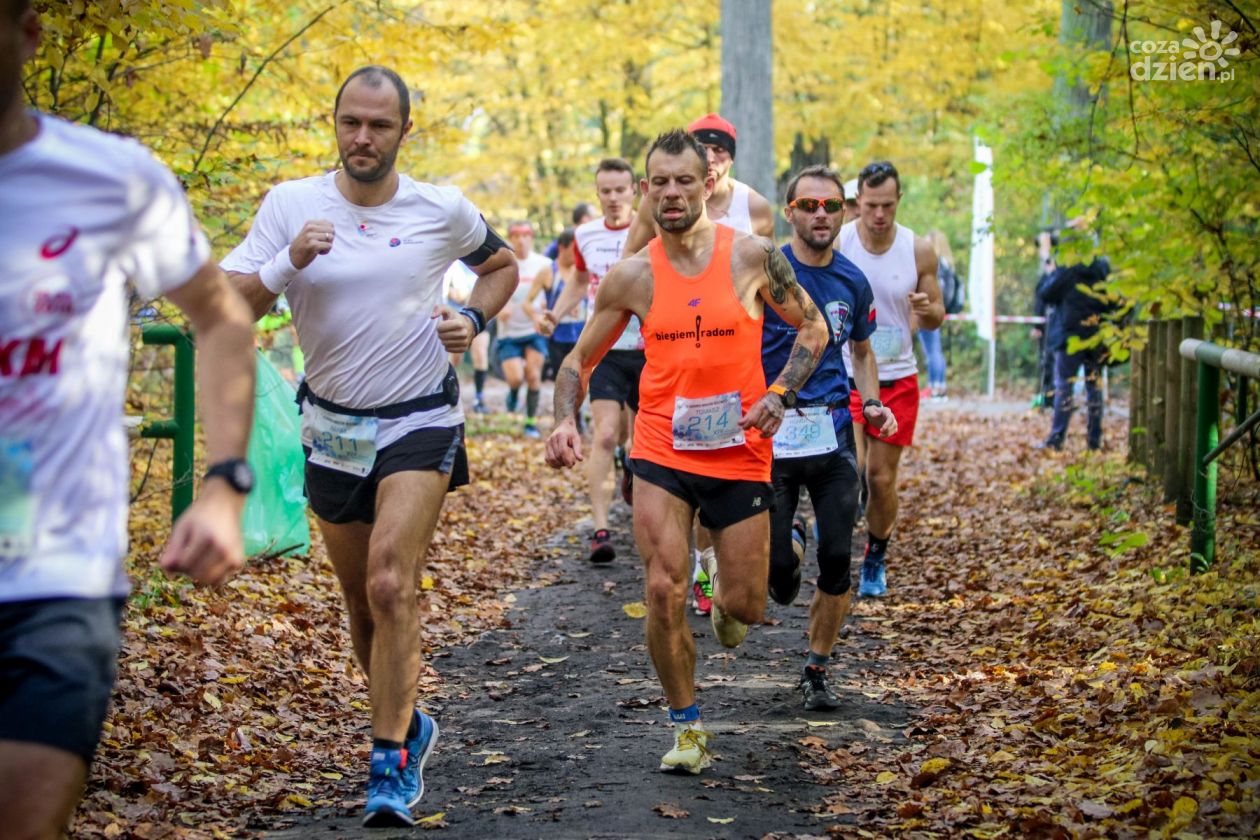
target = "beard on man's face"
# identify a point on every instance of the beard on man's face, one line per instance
(677, 223)
(816, 240)
(368, 173)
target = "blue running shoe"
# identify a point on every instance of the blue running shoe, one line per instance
(873, 584)
(386, 802)
(418, 750)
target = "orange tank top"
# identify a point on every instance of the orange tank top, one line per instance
(703, 372)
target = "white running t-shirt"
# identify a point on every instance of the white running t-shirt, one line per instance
(82, 214)
(364, 311)
(597, 248)
(518, 324)
(893, 275)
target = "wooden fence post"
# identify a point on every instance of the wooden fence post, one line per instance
(1137, 403)
(1175, 437)
(1155, 423)
(1190, 328)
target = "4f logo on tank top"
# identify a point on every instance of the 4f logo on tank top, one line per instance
(700, 332)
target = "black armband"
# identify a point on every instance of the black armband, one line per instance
(486, 250)
(872, 403)
(477, 317)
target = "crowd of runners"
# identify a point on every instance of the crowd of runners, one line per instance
(732, 372)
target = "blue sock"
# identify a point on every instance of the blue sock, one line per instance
(691, 714)
(817, 660)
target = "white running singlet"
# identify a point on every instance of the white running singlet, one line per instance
(737, 214)
(596, 249)
(893, 275)
(518, 324)
(84, 212)
(364, 311)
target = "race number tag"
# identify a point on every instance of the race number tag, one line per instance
(339, 441)
(17, 500)
(707, 422)
(886, 342)
(809, 432)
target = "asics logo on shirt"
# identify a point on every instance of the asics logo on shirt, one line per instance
(694, 302)
(58, 244)
(21, 357)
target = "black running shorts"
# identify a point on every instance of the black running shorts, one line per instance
(722, 502)
(616, 377)
(57, 664)
(339, 497)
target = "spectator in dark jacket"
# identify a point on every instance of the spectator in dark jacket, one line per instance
(1079, 301)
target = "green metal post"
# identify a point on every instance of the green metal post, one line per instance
(1190, 328)
(1207, 431)
(182, 428)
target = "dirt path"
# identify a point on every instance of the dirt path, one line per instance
(554, 727)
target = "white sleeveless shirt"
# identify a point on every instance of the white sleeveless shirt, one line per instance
(737, 215)
(893, 275)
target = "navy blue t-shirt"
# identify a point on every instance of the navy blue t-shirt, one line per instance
(843, 296)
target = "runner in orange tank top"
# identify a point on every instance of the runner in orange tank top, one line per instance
(702, 437)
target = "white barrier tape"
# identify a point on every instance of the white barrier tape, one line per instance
(1001, 319)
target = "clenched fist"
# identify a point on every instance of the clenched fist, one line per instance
(313, 240)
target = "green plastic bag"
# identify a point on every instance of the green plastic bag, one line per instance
(274, 521)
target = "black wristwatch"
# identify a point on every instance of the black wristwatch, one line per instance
(870, 403)
(786, 395)
(236, 472)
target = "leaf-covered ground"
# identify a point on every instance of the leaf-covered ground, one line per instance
(1059, 674)
(1072, 680)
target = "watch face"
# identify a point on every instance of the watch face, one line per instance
(243, 476)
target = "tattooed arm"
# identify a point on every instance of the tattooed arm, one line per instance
(617, 299)
(778, 287)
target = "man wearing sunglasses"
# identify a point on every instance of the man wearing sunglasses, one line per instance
(735, 205)
(814, 448)
(901, 269)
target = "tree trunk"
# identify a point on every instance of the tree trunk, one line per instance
(747, 92)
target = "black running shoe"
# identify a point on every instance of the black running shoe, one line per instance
(602, 550)
(817, 691)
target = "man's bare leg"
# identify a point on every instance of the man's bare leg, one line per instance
(826, 616)
(347, 546)
(661, 524)
(378, 567)
(39, 787)
(743, 564)
(607, 419)
(407, 508)
(883, 460)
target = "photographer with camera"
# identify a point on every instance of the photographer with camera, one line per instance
(1076, 302)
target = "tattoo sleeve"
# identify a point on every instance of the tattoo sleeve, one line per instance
(568, 393)
(800, 365)
(782, 277)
